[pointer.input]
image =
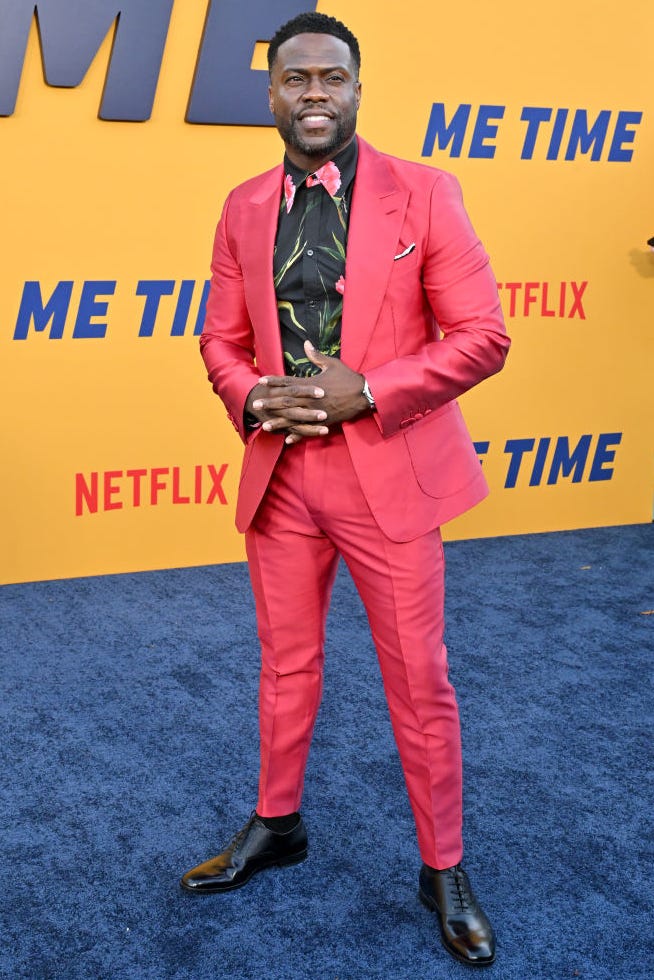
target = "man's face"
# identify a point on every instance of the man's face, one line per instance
(314, 97)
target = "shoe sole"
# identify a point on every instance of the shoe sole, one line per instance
(430, 904)
(280, 863)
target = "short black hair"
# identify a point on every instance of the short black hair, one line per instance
(314, 23)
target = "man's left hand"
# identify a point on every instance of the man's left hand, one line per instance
(343, 399)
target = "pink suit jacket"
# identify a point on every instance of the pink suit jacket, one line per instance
(421, 319)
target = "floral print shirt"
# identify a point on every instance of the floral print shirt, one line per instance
(309, 257)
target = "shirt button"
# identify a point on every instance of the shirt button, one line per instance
(309, 251)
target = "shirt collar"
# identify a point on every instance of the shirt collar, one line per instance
(345, 161)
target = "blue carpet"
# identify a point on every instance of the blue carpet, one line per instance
(130, 754)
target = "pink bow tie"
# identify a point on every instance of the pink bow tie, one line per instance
(328, 175)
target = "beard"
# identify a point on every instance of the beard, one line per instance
(343, 133)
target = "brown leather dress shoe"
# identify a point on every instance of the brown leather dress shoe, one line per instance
(252, 849)
(466, 933)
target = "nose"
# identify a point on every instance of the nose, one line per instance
(315, 90)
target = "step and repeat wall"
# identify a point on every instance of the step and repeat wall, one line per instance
(123, 125)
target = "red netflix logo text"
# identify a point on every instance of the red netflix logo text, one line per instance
(564, 300)
(115, 489)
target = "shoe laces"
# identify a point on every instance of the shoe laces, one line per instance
(460, 889)
(240, 834)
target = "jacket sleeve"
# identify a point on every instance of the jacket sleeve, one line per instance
(470, 340)
(227, 340)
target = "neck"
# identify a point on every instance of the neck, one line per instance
(313, 163)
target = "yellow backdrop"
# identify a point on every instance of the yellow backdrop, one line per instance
(118, 457)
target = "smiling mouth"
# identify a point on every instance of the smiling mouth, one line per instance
(315, 123)
(315, 117)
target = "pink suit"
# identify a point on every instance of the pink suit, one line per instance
(422, 321)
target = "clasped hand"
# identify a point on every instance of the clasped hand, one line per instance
(306, 407)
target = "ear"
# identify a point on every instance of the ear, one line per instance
(358, 94)
(270, 99)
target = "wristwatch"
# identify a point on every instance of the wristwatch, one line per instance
(367, 394)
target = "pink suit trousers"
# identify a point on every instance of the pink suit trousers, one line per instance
(314, 510)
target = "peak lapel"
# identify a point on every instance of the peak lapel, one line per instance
(261, 215)
(378, 209)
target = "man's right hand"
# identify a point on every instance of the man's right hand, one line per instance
(288, 406)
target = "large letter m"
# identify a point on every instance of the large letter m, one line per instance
(71, 32)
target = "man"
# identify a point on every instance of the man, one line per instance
(351, 303)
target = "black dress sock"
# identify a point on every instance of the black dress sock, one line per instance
(281, 825)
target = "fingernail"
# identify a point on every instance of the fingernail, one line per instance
(263, 381)
(288, 440)
(319, 393)
(267, 426)
(257, 404)
(321, 416)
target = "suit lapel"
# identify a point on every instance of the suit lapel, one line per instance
(378, 209)
(258, 243)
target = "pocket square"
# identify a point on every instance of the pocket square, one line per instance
(407, 251)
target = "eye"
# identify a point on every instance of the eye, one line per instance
(294, 80)
(336, 78)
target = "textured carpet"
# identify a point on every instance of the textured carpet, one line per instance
(130, 754)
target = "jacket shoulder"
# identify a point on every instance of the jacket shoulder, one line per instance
(416, 175)
(420, 174)
(253, 185)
